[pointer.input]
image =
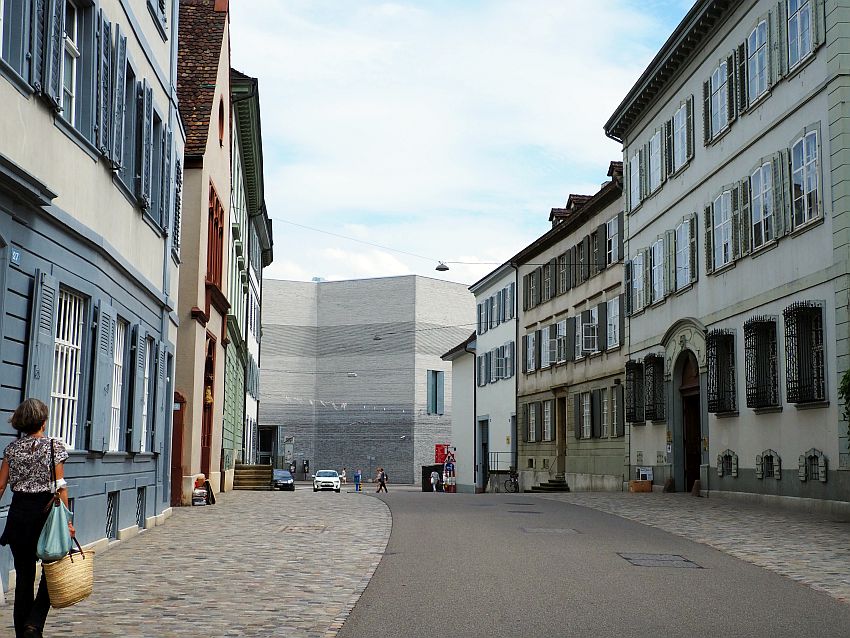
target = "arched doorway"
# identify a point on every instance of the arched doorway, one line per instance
(690, 437)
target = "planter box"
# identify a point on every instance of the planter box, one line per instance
(640, 486)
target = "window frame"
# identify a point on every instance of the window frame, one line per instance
(761, 57)
(805, 348)
(657, 270)
(530, 359)
(532, 423)
(69, 433)
(612, 319)
(680, 138)
(586, 416)
(761, 362)
(638, 297)
(579, 343)
(634, 181)
(603, 401)
(656, 176)
(810, 171)
(761, 200)
(721, 374)
(806, 5)
(722, 226)
(120, 384)
(548, 429)
(71, 47)
(682, 239)
(719, 99)
(590, 331)
(612, 240)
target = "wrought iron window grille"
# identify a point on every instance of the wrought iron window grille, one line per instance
(760, 362)
(804, 352)
(720, 355)
(634, 392)
(653, 370)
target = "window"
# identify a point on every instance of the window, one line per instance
(722, 214)
(683, 254)
(112, 515)
(727, 464)
(493, 311)
(532, 422)
(140, 506)
(215, 239)
(757, 61)
(653, 371)
(435, 390)
(761, 193)
(483, 371)
(657, 258)
(147, 394)
(530, 358)
(768, 465)
(613, 412)
(680, 137)
(544, 347)
(532, 290)
(158, 10)
(578, 343)
(634, 180)
(498, 364)
(586, 422)
(548, 432)
(720, 355)
(804, 178)
(594, 252)
(71, 41)
(508, 301)
(583, 257)
(561, 347)
(547, 283)
(550, 334)
(799, 30)
(813, 466)
(655, 162)
(589, 329)
(612, 232)
(116, 423)
(67, 367)
(804, 353)
(634, 392)
(613, 322)
(719, 99)
(603, 393)
(638, 299)
(130, 147)
(760, 362)
(562, 273)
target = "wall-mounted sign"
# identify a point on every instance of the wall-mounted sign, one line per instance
(15, 256)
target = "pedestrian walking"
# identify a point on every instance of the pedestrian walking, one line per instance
(342, 477)
(26, 470)
(357, 476)
(435, 480)
(382, 480)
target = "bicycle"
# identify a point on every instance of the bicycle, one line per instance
(512, 483)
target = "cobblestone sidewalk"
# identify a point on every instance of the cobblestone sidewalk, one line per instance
(807, 548)
(256, 564)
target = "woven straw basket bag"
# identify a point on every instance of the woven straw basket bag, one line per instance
(70, 579)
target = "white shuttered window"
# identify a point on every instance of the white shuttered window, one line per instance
(65, 389)
(117, 385)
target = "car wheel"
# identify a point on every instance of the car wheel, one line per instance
(337, 490)
(315, 489)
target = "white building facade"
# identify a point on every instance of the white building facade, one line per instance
(462, 359)
(494, 429)
(737, 239)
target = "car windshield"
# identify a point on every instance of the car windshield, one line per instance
(282, 474)
(327, 473)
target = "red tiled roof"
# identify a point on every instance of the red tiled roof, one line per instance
(202, 27)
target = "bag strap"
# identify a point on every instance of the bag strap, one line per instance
(56, 499)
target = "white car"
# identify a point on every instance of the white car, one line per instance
(326, 480)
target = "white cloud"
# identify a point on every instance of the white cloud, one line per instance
(437, 128)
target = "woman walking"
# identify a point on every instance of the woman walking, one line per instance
(382, 480)
(26, 470)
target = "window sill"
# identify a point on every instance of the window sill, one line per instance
(684, 289)
(802, 63)
(125, 190)
(681, 169)
(811, 405)
(613, 348)
(764, 248)
(758, 101)
(802, 228)
(155, 227)
(75, 136)
(658, 421)
(15, 79)
(730, 414)
(724, 268)
(139, 457)
(723, 133)
(771, 409)
(657, 303)
(116, 457)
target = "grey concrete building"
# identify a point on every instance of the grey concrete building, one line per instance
(736, 152)
(352, 371)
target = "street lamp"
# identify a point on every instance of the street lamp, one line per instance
(441, 267)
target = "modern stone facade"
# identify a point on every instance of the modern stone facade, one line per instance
(352, 370)
(570, 392)
(87, 261)
(737, 236)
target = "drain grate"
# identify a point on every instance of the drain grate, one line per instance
(549, 530)
(659, 560)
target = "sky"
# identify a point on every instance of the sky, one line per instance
(434, 130)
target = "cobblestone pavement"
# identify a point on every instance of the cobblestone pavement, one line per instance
(811, 549)
(256, 564)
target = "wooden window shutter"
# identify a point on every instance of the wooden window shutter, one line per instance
(622, 316)
(429, 390)
(102, 384)
(595, 414)
(643, 154)
(668, 148)
(706, 112)
(709, 244)
(647, 279)
(577, 415)
(538, 421)
(620, 238)
(602, 243)
(585, 319)
(802, 470)
(602, 327)
(731, 88)
(817, 23)
(146, 173)
(104, 85)
(781, 47)
(759, 467)
(741, 77)
(670, 261)
(720, 465)
(524, 425)
(54, 49)
(626, 309)
(140, 354)
(538, 280)
(571, 339)
(119, 59)
(689, 111)
(736, 221)
(538, 344)
(772, 66)
(621, 410)
(781, 204)
(777, 467)
(626, 184)
(165, 192)
(692, 256)
(39, 18)
(734, 465)
(587, 258)
(162, 402)
(745, 233)
(525, 353)
(822, 468)
(42, 337)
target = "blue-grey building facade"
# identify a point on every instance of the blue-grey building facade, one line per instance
(90, 169)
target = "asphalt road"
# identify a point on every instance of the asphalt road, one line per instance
(517, 565)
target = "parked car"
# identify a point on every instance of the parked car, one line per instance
(326, 480)
(282, 480)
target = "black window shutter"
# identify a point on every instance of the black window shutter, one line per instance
(42, 337)
(602, 327)
(525, 353)
(577, 415)
(524, 425)
(587, 258)
(53, 51)
(741, 78)
(571, 339)
(538, 342)
(627, 284)
(538, 421)
(620, 231)
(622, 315)
(668, 147)
(621, 411)
(585, 319)
(731, 89)
(602, 242)
(140, 344)
(102, 384)
(104, 85)
(165, 197)
(118, 107)
(573, 266)
(595, 414)
(39, 18)
(538, 284)
(706, 112)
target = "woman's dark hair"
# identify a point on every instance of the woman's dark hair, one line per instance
(29, 416)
